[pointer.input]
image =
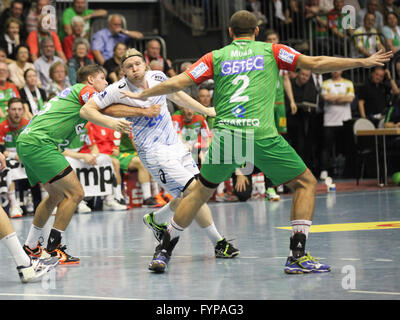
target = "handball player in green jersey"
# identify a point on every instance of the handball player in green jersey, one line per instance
(245, 74)
(40, 146)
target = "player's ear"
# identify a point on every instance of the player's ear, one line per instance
(256, 31)
(230, 32)
(90, 79)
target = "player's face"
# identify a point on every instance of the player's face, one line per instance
(272, 38)
(134, 69)
(15, 112)
(99, 81)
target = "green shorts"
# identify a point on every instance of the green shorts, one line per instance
(42, 163)
(280, 117)
(273, 156)
(124, 159)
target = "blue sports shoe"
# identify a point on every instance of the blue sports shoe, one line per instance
(305, 264)
(163, 253)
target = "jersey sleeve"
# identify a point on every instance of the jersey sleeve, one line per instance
(107, 97)
(286, 58)
(325, 87)
(202, 69)
(86, 93)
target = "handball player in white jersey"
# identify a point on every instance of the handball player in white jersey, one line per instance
(157, 143)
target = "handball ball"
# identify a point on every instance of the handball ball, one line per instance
(396, 178)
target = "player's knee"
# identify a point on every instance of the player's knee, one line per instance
(306, 180)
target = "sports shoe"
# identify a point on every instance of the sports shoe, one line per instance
(113, 205)
(323, 175)
(15, 212)
(220, 197)
(37, 252)
(158, 230)
(271, 195)
(167, 197)
(83, 207)
(224, 249)
(37, 269)
(305, 264)
(160, 200)
(64, 257)
(163, 253)
(149, 203)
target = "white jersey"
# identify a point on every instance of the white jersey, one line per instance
(147, 132)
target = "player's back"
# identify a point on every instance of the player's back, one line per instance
(59, 122)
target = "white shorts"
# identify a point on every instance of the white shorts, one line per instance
(172, 166)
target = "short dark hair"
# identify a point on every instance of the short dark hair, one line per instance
(14, 100)
(89, 70)
(243, 22)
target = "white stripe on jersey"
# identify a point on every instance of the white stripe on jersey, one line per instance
(147, 132)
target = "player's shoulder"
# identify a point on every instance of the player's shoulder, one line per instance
(156, 75)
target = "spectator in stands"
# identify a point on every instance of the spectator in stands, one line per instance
(18, 68)
(59, 75)
(104, 40)
(11, 39)
(115, 61)
(391, 31)
(153, 52)
(366, 37)
(388, 6)
(44, 62)
(375, 94)
(80, 58)
(371, 7)
(3, 55)
(15, 11)
(32, 96)
(8, 90)
(32, 19)
(338, 94)
(36, 37)
(77, 24)
(204, 97)
(300, 125)
(10, 128)
(79, 8)
(193, 89)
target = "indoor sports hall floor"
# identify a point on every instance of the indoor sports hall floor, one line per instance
(357, 232)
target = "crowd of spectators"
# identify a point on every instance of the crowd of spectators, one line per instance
(39, 58)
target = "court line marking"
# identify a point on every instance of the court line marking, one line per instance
(62, 296)
(376, 292)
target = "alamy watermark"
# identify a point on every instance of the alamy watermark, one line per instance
(349, 17)
(349, 280)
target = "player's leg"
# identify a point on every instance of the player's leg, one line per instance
(279, 161)
(113, 201)
(28, 270)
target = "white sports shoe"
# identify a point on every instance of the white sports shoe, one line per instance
(15, 212)
(83, 207)
(113, 205)
(37, 269)
(271, 195)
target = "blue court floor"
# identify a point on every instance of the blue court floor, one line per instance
(115, 249)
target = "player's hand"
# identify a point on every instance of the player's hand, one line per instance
(241, 182)
(379, 58)
(2, 161)
(130, 94)
(152, 111)
(122, 125)
(293, 108)
(211, 112)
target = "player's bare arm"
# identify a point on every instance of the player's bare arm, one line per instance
(324, 64)
(122, 110)
(91, 112)
(184, 100)
(171, 85)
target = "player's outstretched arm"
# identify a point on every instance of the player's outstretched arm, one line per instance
(91, 112)
(184, 100)
(170, 85)
(324, 64)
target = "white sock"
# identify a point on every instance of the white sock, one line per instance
(302, 226)
(33, 236)
(154, 187)
(13, 199)
(174, 229)
(117, 192)
(221, 187)
(11, 241)
(213, 233)
(146, 190)
(163, 215)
